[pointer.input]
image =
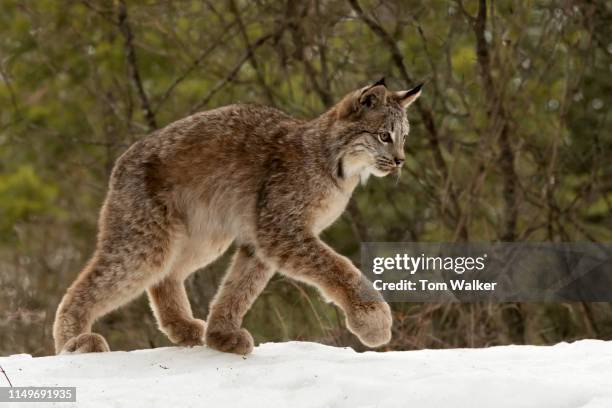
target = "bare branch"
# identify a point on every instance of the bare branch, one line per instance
(196, 62)
(11, 91)
(251, 55)
(295, 15)
(497, 114)
(234, 71)
(6, 376)
(126, 31)
(426, 114)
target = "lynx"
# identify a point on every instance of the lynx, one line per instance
(244, 174)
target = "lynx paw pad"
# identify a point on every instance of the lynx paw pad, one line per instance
(86, 343)
(237, 341)
(371, 322)
(186, 333)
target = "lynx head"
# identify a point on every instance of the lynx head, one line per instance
(371, 129)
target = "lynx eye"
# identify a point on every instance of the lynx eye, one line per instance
(385, 137)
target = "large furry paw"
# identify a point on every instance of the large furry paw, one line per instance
(371, 323)
(186, 333)
(86, 343)
(236, 341)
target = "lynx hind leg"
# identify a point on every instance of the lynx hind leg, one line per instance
(102, 287)
(121, 270)
(245, 280)
(172, 310)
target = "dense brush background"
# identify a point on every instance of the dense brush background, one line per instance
(511, 141)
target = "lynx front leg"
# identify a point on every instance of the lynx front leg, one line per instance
(306, 258)
(246, 278)
(173, 312)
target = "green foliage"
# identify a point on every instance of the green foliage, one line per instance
(24, 197)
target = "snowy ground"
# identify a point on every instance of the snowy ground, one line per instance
(311, 375)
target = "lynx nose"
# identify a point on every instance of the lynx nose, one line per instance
(398, 162)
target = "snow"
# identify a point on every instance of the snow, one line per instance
(297, 374)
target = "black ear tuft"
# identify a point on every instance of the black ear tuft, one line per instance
(406, 98)
(381, 81)
(414, 90)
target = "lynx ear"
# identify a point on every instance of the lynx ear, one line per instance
(406, 98)
(367, 97)
(374, 95)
